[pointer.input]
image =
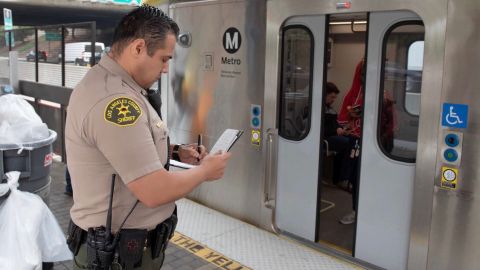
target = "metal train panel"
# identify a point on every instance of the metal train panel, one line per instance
(216, 81)
(231, 57)
(454, 237)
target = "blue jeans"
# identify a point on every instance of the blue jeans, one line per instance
(341, 145)
(344, 166)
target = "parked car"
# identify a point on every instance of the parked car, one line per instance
(42, 56)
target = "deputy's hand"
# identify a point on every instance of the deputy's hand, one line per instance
(189, 153)
(203, 152)
(214, 165)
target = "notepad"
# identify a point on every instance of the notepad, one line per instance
(224, 144)
(226, 140)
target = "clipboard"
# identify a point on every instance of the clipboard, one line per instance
(224, 143)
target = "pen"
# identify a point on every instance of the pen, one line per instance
(199, 142)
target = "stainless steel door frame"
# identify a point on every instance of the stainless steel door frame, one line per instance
(455, 234)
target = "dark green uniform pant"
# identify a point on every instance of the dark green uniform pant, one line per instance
(80, 261)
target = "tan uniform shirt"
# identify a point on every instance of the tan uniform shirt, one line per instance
(112, 129)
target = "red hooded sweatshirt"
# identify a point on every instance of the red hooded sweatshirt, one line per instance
(354, 98)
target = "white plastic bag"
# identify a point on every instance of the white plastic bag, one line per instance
(19, 123)
(29, 232)
(15, 109)
(22, 133)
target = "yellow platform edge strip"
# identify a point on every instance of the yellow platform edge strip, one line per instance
(206, 253)
(338, 248)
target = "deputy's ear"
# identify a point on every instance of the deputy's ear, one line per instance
(137, 46)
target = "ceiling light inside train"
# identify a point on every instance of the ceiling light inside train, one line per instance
(347, 22)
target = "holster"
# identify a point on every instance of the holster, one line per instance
(131, 244)
(130, 247)
(75, 238)
(163, 233)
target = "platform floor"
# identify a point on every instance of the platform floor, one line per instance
(207, 240)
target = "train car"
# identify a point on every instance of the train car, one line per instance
(263, 67)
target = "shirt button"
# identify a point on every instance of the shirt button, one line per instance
(159, 124)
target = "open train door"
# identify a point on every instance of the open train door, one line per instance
(389, 138)
(299, 115)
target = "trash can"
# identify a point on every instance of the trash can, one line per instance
(33, 160)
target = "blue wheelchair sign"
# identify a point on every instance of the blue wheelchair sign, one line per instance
(455, 115)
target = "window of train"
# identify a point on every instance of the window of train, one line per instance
(400, 90)
(296, 83)
(414, 77)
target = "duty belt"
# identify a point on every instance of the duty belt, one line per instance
(133, 242)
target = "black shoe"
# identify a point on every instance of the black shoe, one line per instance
(68, 193)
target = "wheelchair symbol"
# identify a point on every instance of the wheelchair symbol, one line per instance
(452, 117)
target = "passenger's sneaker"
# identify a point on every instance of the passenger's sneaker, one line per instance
(349, 218)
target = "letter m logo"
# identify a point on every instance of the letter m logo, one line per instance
(231, 43)
(232, 40)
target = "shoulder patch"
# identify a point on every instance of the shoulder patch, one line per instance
(122, 112)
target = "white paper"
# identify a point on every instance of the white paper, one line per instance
(225, 141)
(228, 137)
(181, 165)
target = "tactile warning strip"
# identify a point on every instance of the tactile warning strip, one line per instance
(249, 245)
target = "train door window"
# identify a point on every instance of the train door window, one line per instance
(296, 83)
(401, 90)
(414, 77)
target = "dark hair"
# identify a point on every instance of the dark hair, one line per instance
(332, 88)
(145, 22)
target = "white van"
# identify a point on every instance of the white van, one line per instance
(80, 52)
